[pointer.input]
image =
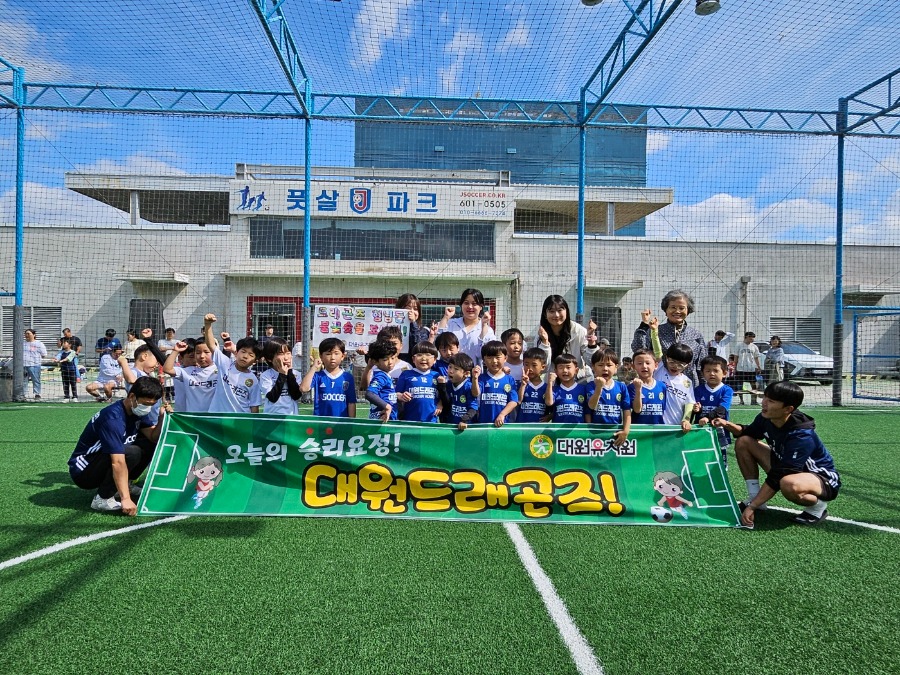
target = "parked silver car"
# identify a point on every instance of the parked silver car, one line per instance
(801, 362)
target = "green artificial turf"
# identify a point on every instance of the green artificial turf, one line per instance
(382, 596)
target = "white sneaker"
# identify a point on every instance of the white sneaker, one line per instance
(111, 504)
(65, 400)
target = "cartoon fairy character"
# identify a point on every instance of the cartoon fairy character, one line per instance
(670, 486)
(208, 473)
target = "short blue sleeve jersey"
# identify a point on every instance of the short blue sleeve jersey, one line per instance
(332, 394)
(383, 387)
(653, 403)
(423, 405)
(570, 404)
(496, 392)
(461, 401)
(532, 407)
(107, 433)
(612, 402)
(709, 400)
(440, 367)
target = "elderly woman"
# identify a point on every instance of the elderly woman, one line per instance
(677, 305)
(558, 334)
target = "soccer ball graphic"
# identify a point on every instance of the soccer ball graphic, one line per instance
(660, 514)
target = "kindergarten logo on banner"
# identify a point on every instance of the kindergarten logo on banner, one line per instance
(357, 326)
(319, 466)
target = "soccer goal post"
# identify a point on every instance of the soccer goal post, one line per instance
(876, 353)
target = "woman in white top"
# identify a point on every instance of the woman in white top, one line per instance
(131, 344)
(557, 334)
(472, 328)
(33, 352)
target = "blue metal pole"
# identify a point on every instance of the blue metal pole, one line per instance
(307, 219)
(855, 346)
(582, 152)
(838, 339)
(19, 95)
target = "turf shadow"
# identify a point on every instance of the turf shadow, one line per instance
(68, 497)
(218, 528)
(49, 479)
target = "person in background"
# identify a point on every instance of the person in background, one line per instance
(625, 372)
(719, 345)
(774, 361)
(677, 305)
(68, 371)
(107, 343)
(168, 344)
(33, 352)
(747, 368)
(77, 346)
(132, 342)
(109, 377)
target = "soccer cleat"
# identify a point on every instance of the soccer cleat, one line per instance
(101, 504)
(37, 397)
(135, 491)
(806, 518)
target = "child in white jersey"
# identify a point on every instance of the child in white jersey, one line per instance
(196, 379)
(280, 384)
(238, 388)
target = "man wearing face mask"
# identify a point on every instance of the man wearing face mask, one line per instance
(115, 448)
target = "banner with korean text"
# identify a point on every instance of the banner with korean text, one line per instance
(209, 464)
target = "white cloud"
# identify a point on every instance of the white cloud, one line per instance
(517, 37)
(138, 163)
(657, 141)
(48, 205)
(31, 49)
(377, 23)
(464, 44)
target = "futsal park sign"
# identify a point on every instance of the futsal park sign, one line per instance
(274, 465)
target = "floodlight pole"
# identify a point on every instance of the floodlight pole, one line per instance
(838, 336)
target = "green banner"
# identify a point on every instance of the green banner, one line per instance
(208, 464)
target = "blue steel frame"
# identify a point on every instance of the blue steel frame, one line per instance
(866, 311)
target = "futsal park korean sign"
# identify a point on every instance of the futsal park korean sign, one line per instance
(318, 466)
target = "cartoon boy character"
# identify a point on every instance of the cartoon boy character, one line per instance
(208, 473)
(670, 486)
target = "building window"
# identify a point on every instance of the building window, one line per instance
(46, 321)
(359, 239)
(796, 329)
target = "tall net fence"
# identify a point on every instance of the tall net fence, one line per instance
(136, 220)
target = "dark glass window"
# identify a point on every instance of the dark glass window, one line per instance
(356, 239)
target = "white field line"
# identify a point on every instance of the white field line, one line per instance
(62, 546)
(870, 526)
(581, 651)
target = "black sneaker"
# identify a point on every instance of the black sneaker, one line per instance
(806, 518)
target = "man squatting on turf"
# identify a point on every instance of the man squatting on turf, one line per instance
(793, 456)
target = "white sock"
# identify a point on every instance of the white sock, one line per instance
(752, 489)
(817, 509)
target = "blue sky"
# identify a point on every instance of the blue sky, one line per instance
(782, 55)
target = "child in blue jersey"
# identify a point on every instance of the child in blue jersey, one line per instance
(68, 370)
(714, 398)
(532, 407)
(460, 405)
(196, 379)
(380, 392)
(393, 335)
(238, 388)
(279, 385)
(495, 390)
(610, 400)
(417, 393)
(568, 397)
(334, 389)
(648, 397)
(447, 345)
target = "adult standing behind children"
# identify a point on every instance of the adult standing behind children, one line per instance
(34, 351)
(677, 305)
(557, 334)
(417, 332)
(132, 342)
(473, 328)
(747, 368)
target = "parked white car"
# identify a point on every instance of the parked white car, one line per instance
(801, 362)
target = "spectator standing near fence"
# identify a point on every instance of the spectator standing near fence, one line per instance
(132, 342)
(774, 361)
(168, 344)
(747, 368)
(32, 354)
(76, 345)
